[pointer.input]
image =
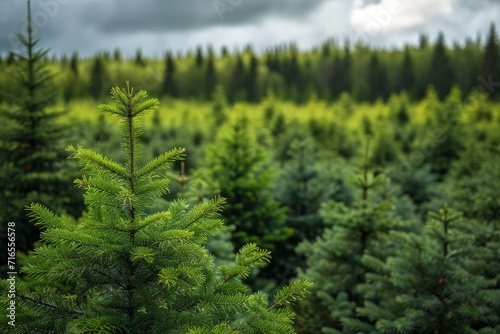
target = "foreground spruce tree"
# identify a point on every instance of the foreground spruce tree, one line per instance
(138, 273)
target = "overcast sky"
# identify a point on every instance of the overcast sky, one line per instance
(154, 26)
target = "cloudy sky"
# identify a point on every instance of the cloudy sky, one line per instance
(154, 26)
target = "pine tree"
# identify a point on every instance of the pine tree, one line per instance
(199, 57)
(138, 273)
(426, 287)
(32, 169)
(139, 59)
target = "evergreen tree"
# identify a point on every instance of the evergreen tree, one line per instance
(117, 55)
(237, 91)
(440, 71)
(427, 287)
(406, 80)
(377, 80)
(492, 57)
(199, 57)
(97, 78)
(169, 79)
(251, 80)
(74, 64)
(210, 77)
(237, 171)
(139, 273)
(333, 260)
(32, 169)
(139, 59)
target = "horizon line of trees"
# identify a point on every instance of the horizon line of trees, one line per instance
(325, 72)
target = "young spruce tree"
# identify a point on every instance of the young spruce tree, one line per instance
(138, 273)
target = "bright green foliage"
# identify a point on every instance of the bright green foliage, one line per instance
(32, 139)
(426, 287)
(140, 273)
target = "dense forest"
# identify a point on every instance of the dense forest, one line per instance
(344, 189)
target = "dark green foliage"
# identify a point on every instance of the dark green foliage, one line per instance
(74, 63)
(98, 78)
(377, 80)
(135, 272)
(427, 286)
(334, 259)
(406, 80)
(32, 138)
(169, 86)
(139, 59)
(236, 170)
(440, 72)
(210, 76)
(492, 58)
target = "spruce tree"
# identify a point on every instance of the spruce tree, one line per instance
(333, 260)
(139, 273)
(32, 137)
(237, 170)
(427, 287)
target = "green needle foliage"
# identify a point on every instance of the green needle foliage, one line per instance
(33, 166)
(140, 273)
(428, 286)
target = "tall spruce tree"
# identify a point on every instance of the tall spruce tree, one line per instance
(97, 77)
(139, 273)
(31, 141)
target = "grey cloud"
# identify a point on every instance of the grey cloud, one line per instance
(158, 15)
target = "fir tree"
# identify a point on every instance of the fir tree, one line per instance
(139, 273)
(32, 167)
(199, 57)
(139, 59)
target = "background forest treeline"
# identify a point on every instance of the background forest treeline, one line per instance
(364, 72)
